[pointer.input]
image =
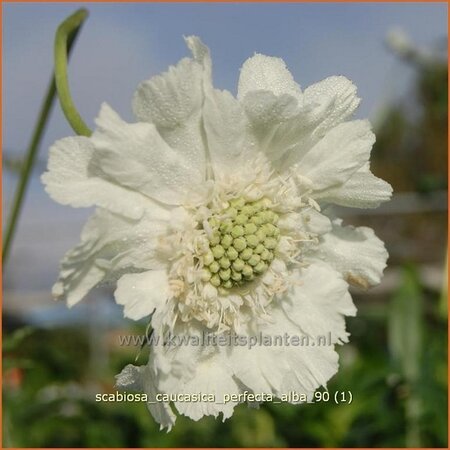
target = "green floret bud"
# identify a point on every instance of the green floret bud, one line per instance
(246, 254)
(256, 220)
(248, 210)
(247, 271)
(225, 274)
(261, 234)
(241, 219)
(237, 202)
(265, 255)
(218, 251)
(269, 229)
(231, 212)
(258, 206)
(213, 222)
(261, 267)
(259, 249)
(206, 275)
(214, 267)
(227, 284)
(255, 259)
(236, 276)
(244, 237)
(215, 239)
(252, 240)
(266, 216)
(239, 244)
(224, 262)
(208, 258)
(237, 231)
(270, 243)
(232, 254)
(238, 265)
(215, 280)
(226, 226)
(226, 241)
(250, 228)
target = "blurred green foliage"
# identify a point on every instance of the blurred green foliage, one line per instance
(411, 147)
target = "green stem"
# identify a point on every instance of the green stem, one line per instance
(64, 34)
(37, 136)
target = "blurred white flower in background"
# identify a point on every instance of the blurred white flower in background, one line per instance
(398, 40)
(400, 43)
(211, 214)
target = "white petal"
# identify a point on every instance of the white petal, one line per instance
(285, 126)
(142, 293)
(136, 156)
(72, 180)
(169, 99)
(225, 124)
(335, 99)
(315, 222)
(109, 244)
(198, 369)
(267, 73)
(212, 376)
(319, 303)
(334, 159)
(279, 369)
(362, 190)
(200, 52)
(354, 252)
(278, 123)
(309, 220)
(142, 379)
(172, 102)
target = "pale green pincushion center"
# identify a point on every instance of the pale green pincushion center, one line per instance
(242, 244)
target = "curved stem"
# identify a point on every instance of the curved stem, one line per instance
(64, 34)
(34, 143)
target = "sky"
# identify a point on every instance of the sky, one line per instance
(123, 44)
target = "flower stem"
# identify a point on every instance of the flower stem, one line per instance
(64, 34)
(39, 129)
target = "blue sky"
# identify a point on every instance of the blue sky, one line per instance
(122, 44)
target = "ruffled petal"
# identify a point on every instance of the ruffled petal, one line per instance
(334, 100)
(319, 303)
(142, 293)
(142, 379)
(226, 129)
(286, 126)
(72, 180)
(334, 159)
(109, 245)
(354, 252)
(223, 121)
(197, 369)
(309, 220)
(279, 369)
(136, 156)
(277, 123)
(172, 102)
(362, 190)
(272, 102)
(267, 73)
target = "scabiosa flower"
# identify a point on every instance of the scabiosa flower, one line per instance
(211, 214)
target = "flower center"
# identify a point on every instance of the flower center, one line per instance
(242, 241)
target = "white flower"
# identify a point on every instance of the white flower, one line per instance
(210, 213)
